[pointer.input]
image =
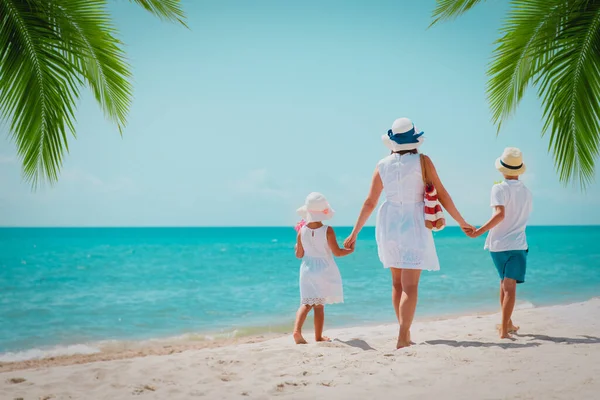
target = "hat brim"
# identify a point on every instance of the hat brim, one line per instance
(508, 171)
(312, 216)
(393, 146)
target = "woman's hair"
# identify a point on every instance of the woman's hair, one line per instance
(413, 151)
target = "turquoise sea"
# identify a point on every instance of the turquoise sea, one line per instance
(61, 287)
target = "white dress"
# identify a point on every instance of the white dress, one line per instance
(403, 241)
(320, 279)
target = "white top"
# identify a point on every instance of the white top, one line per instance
(320, 279)
(403, 241)
(510, 233)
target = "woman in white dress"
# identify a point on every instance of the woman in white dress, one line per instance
(404, 244)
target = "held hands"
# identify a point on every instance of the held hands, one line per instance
(350, 242)
(470, 230)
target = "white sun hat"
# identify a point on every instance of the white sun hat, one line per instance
(511, 162)
(316, 208)
(403, 136)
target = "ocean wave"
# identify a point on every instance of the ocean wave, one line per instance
(525, 305)
(37, 354)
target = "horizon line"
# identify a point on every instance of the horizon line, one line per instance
(229, 226)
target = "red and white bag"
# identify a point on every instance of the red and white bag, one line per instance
(434, 215)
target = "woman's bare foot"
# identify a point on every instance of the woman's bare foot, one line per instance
(323, 339)
(511, 328)
(298, 338)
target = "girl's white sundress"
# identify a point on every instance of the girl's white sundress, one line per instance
(320, 279)
(403, 241)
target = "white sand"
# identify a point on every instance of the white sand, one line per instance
(556, 356)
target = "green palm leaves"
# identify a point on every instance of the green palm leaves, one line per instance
(554, 46)
(49, 50)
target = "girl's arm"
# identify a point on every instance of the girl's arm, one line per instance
(497, 217)
(333, 245)
(444, 196)
(299, 248)
(367, 209)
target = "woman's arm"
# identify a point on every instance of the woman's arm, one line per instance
(444, 196)
(497, 217)
(333, 245)
(367, 209)
(299, 248)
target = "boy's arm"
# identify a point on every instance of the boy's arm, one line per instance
(497, 217)
(333, 245)
(299, 249)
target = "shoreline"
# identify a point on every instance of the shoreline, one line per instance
(556, 354)
(130, 349)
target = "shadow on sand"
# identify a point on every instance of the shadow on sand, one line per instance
(583, 339)
(456, 343)
(358, 343)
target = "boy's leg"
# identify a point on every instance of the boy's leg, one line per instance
(300, 318)
(319, 322)
(512, 328)
(509, 288)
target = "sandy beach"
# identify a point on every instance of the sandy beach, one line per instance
(556, 355)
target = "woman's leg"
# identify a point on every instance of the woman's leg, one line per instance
(319, 322)
(300, 318)
(408, 304)
(396, 290)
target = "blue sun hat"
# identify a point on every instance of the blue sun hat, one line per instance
(403, 136)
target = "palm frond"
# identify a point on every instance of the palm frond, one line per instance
(449, 9)
(169, 10)
(570, 89)
(90, 42)
(49, 49)
(527, 44)
(37, 87)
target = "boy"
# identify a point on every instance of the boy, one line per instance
(506, 241)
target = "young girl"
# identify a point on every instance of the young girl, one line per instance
(320, 280)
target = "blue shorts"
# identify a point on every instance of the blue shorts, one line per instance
(511, 264)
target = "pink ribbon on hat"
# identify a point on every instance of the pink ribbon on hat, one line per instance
(325, 211)
(299, 225)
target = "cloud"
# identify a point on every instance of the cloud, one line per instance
(92, 183)
(259, 183)
(7, 160)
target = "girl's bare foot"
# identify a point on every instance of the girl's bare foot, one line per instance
(401, 343)
(298, 338)
(403, 340)
(323, 339)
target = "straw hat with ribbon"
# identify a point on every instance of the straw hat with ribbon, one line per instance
(511, 162)
(403, 136)
(316, 208)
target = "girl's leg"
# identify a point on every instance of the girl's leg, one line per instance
(408, 304)
(300, 318)
(396, 290)
(319, 322)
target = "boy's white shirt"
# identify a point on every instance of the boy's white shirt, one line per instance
(510, 233)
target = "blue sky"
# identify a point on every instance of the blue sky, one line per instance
(236, 120)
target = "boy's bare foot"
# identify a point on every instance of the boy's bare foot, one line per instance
(511, 328)
(323, 339)
(298, 338)
(504, 334)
